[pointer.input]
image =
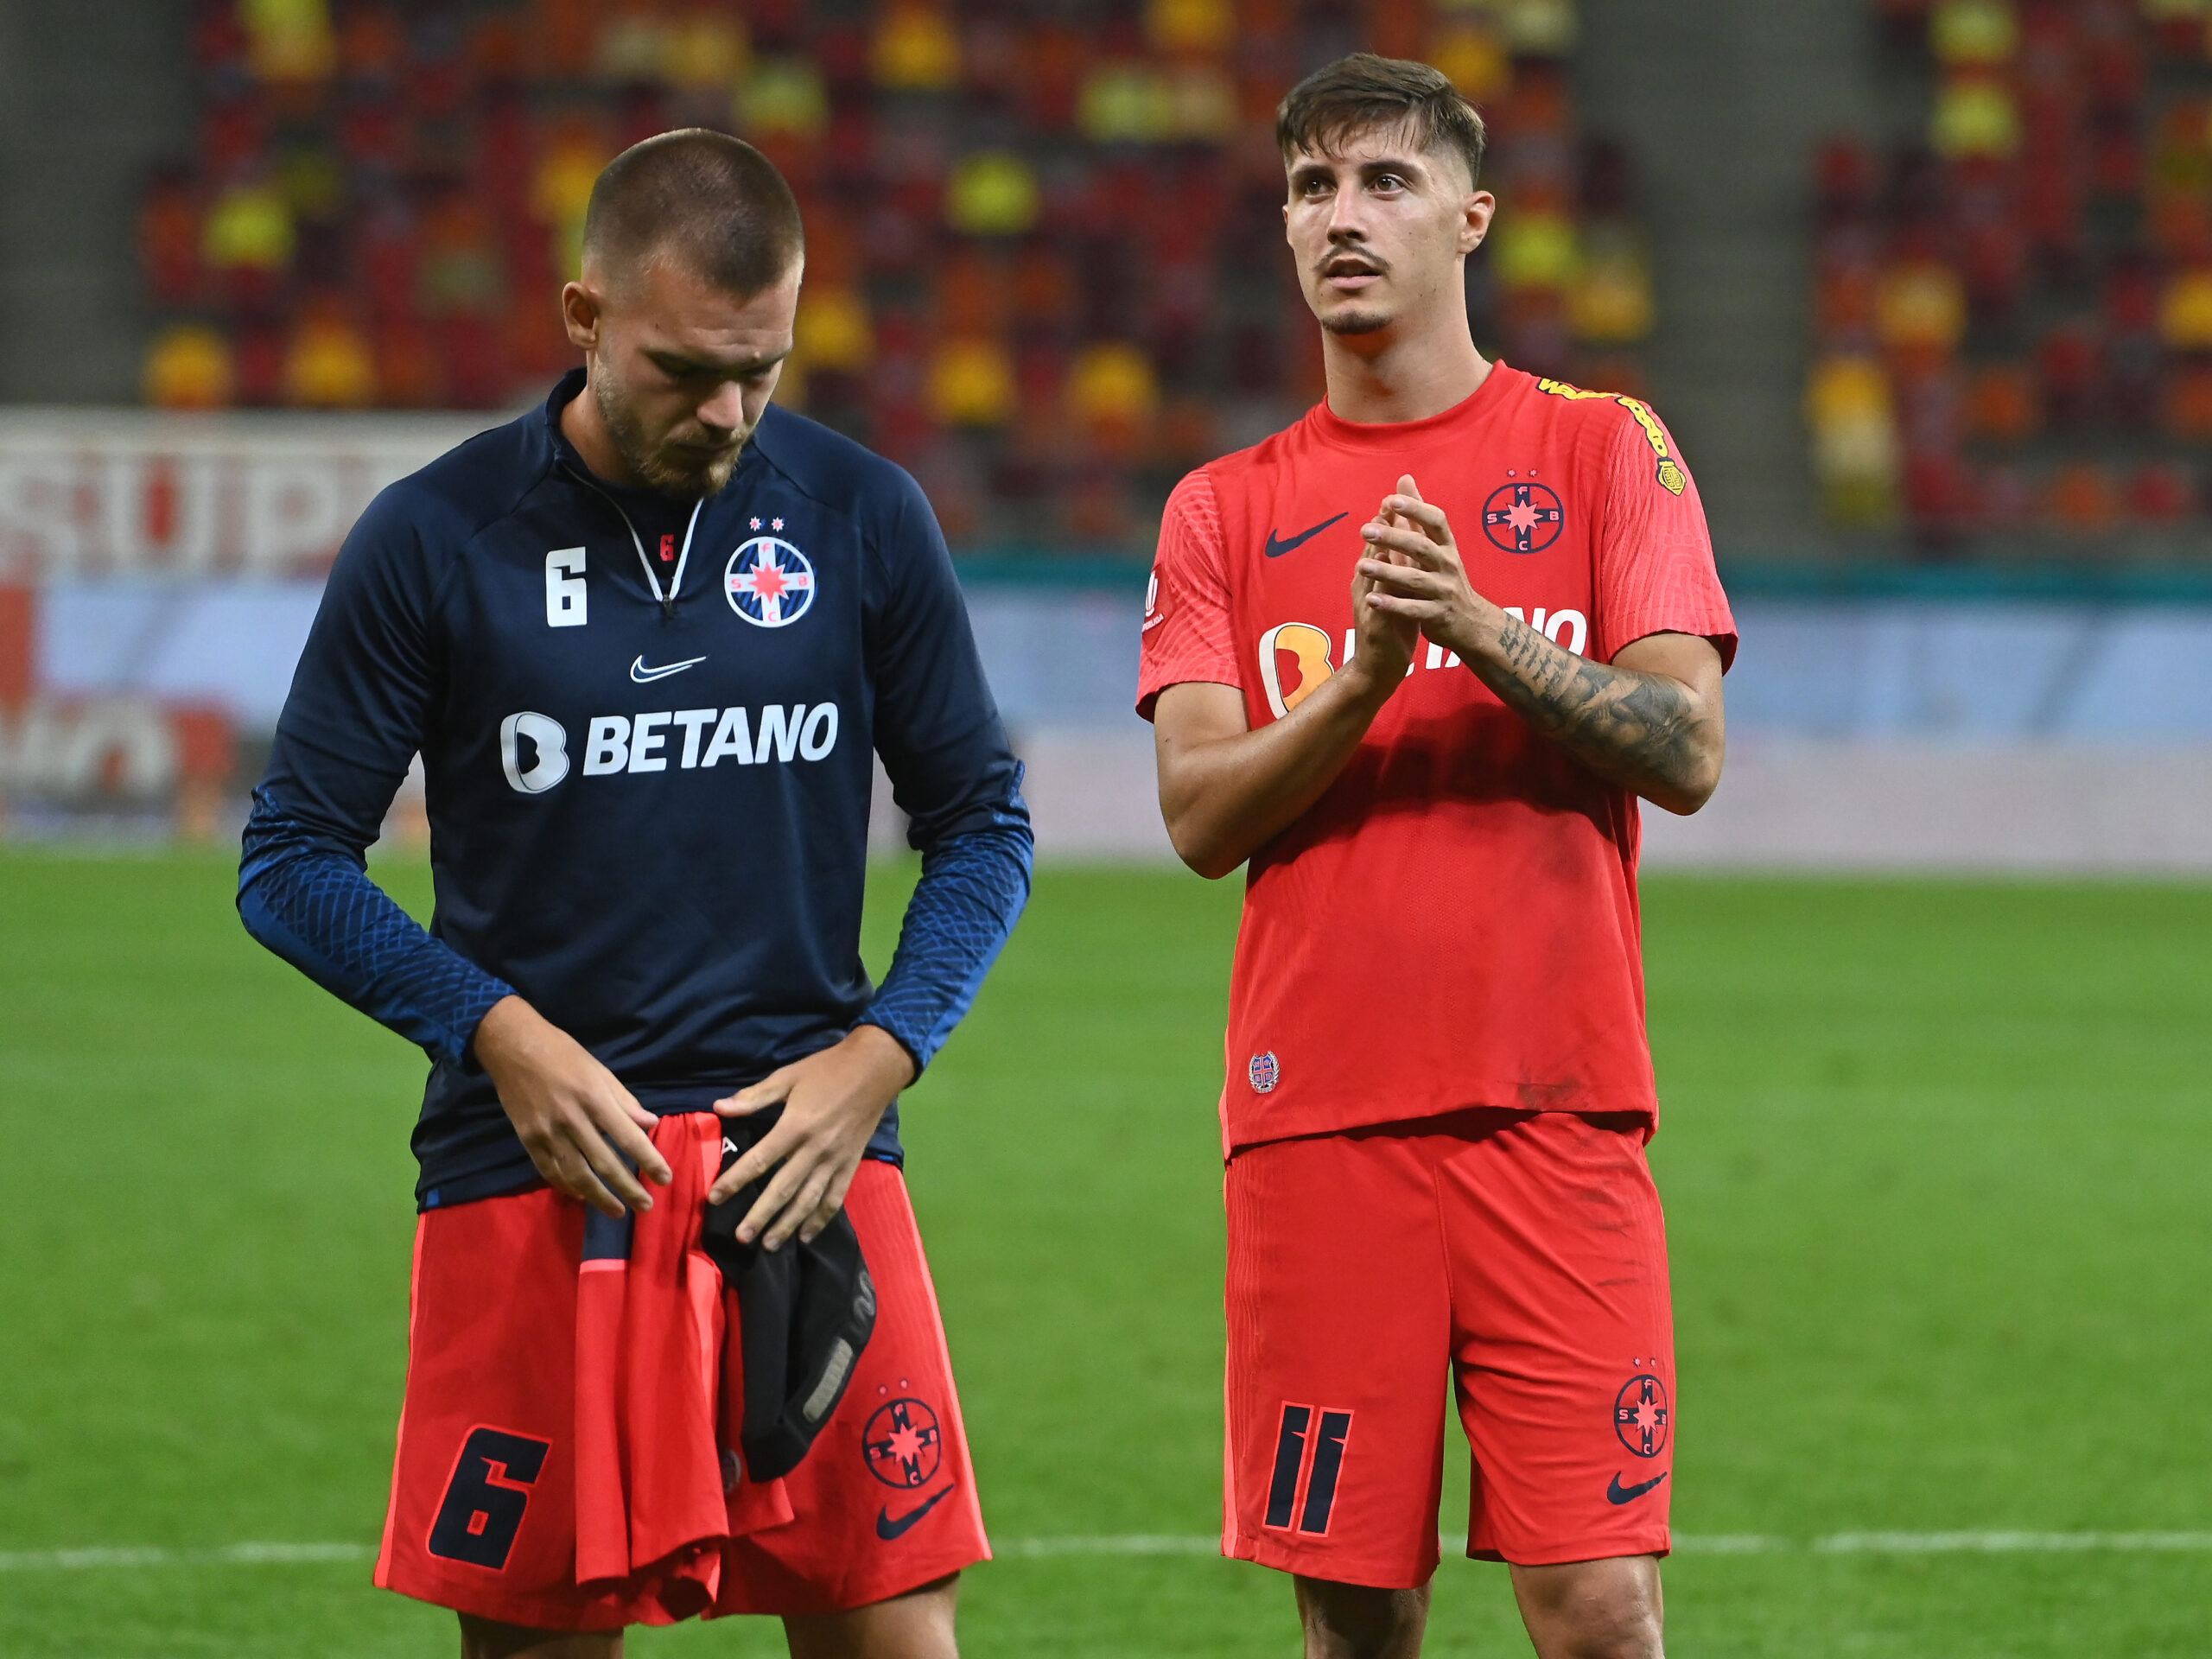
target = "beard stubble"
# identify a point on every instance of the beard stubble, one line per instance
(1355, 322)
(656, 466)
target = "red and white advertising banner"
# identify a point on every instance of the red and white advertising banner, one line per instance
(89, 495)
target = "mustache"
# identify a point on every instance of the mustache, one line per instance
(1343, 262)
(706, 438)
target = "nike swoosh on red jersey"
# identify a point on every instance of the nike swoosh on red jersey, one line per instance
(1276, 550)
(888, 1527)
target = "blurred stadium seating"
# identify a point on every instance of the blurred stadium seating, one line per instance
(2013, 309)
(1045, 272)
(1045, 259)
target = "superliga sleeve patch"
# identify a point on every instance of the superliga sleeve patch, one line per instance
(1668, 473)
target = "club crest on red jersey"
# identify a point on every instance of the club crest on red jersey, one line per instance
(1265, 1072)
(1523, 517)
(768, 581)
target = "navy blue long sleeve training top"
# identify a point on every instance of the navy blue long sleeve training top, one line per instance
(645, 727)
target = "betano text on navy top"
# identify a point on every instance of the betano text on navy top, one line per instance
(645, 727)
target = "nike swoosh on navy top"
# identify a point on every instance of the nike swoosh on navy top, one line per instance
(1617, 1493)
(645, 676)
(1277, 549)
(887, 1529)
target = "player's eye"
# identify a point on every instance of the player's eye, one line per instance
(1388, 181)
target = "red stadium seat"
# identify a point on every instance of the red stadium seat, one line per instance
(975, 239)
(2079, 226)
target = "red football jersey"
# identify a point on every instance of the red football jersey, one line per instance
(1454, 923)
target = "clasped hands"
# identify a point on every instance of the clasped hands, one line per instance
(1412, 584)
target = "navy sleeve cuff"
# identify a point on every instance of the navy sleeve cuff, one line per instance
(972, 891)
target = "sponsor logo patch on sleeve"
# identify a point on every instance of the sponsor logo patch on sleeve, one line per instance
(1668, 471)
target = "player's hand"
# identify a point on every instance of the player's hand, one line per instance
(575, 1120)
(1387, 643)
(1415, 572)
(832, 1102)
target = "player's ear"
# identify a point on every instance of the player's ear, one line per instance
(1475, 215)
(580, 314)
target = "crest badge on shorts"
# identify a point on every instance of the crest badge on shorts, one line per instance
(1641, 1415)
(1265, 1072)
(902, 1443)
(769, 582)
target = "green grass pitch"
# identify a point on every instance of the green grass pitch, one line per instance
(1936, 1160)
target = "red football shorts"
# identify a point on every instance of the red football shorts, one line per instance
(566, 1453)
(1523, 1255)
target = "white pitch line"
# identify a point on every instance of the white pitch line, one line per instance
(50, 1561)
(1731, 1543)
(2034, 1543)
(1128, 1544)
(1940, 1543)
(1206, 1544)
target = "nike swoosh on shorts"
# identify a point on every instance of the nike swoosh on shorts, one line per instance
(887, 1528)
(1617, 1493)
(1277, 549)
(645, 676)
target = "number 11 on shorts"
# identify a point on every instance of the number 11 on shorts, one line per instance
(1308, 1460)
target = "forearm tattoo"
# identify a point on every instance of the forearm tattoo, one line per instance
(1640, 730)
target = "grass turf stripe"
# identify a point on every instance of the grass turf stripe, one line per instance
(1205, 1544)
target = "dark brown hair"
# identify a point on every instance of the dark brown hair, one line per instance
(1364, 92)
(711, 200)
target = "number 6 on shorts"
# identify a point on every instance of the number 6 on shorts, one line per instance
(482, 1509)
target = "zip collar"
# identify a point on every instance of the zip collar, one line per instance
(653, 578)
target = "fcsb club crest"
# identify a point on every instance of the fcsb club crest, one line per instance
(769, 582)
(902, 1443)
(1523, 517)
(1640, 1415)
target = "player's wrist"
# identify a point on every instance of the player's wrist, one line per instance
(885, 1053)
(508, 1036)
(1471, 632)
(498, 1027)
(1488, 628)
(1368, 681)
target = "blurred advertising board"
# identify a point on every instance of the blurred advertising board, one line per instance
(95, 495)
(130, 667)
(158, 575)
(116, 759)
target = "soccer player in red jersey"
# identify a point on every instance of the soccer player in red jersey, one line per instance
(1414, 659)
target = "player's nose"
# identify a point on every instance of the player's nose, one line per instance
(1345, 214)
(725, 410)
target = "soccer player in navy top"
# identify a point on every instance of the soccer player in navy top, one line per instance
(646, 640)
